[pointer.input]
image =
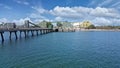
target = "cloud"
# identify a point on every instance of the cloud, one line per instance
(105, 12)
(22, 2)
(68, 12)
(35, 15)
(39, 9)
(81, 12)
(38, 14)
(5, 6)
(58, 19)
(100, 21)
(3, 20)
(22, 21)
(17, 21)
(40, 20)
(105, 2)
(115, 4)
(98, 15)
(92, 3)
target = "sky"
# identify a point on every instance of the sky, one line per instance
(99, 12)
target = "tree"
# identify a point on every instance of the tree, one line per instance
(91, 27)
(43, 24)
(49, 25)
(59, 24)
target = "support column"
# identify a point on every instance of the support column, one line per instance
(50, 31)
(37, 32)
(10, 35)
(32, 33)
(25, 34)
(2, 36)
(41, 32)
(20, 34)
(16, 34)
(47, 31)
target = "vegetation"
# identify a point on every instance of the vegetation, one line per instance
(42, 24)
(91, 27)
(107, 27)
(49, 25)
(46, 24)
(64, 25)
(59, 24)
(67, 25)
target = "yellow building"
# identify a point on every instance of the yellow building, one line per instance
(85, 24)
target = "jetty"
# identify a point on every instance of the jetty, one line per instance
(25, 30)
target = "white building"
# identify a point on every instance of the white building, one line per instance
(76, 25)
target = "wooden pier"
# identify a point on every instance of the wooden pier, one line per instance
(26, 31)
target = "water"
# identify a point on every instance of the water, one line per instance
(63, 50)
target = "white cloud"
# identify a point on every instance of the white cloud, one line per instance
(104, 12)
(92, 3)
(105, 2)
(105, 21)
(40, 20)
(35, 15)
(21, 21)
(101, 21)
(22, 2)
(81, 12)
(3, 20)
(64, 12)
(116, 4)
(98, 15)
(58, 19)
(39, 9)
(38, 14)
(5, 6)
(18, 22)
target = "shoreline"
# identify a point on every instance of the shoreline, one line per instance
(98, 30)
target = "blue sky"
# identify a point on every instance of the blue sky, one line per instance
(99, 12)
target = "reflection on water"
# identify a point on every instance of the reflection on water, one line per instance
(62, 50)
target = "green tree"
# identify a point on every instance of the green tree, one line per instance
(66, 25)
(59, 24)
(49, 25)
(43, 24)
(91, 27)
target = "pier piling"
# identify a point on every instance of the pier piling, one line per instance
(37, 32)
(10, 35)
(25, 34)
(16, 35)
(2, 36)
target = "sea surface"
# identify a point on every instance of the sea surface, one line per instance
(63, 50)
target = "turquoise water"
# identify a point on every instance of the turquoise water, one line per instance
(63, 50)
